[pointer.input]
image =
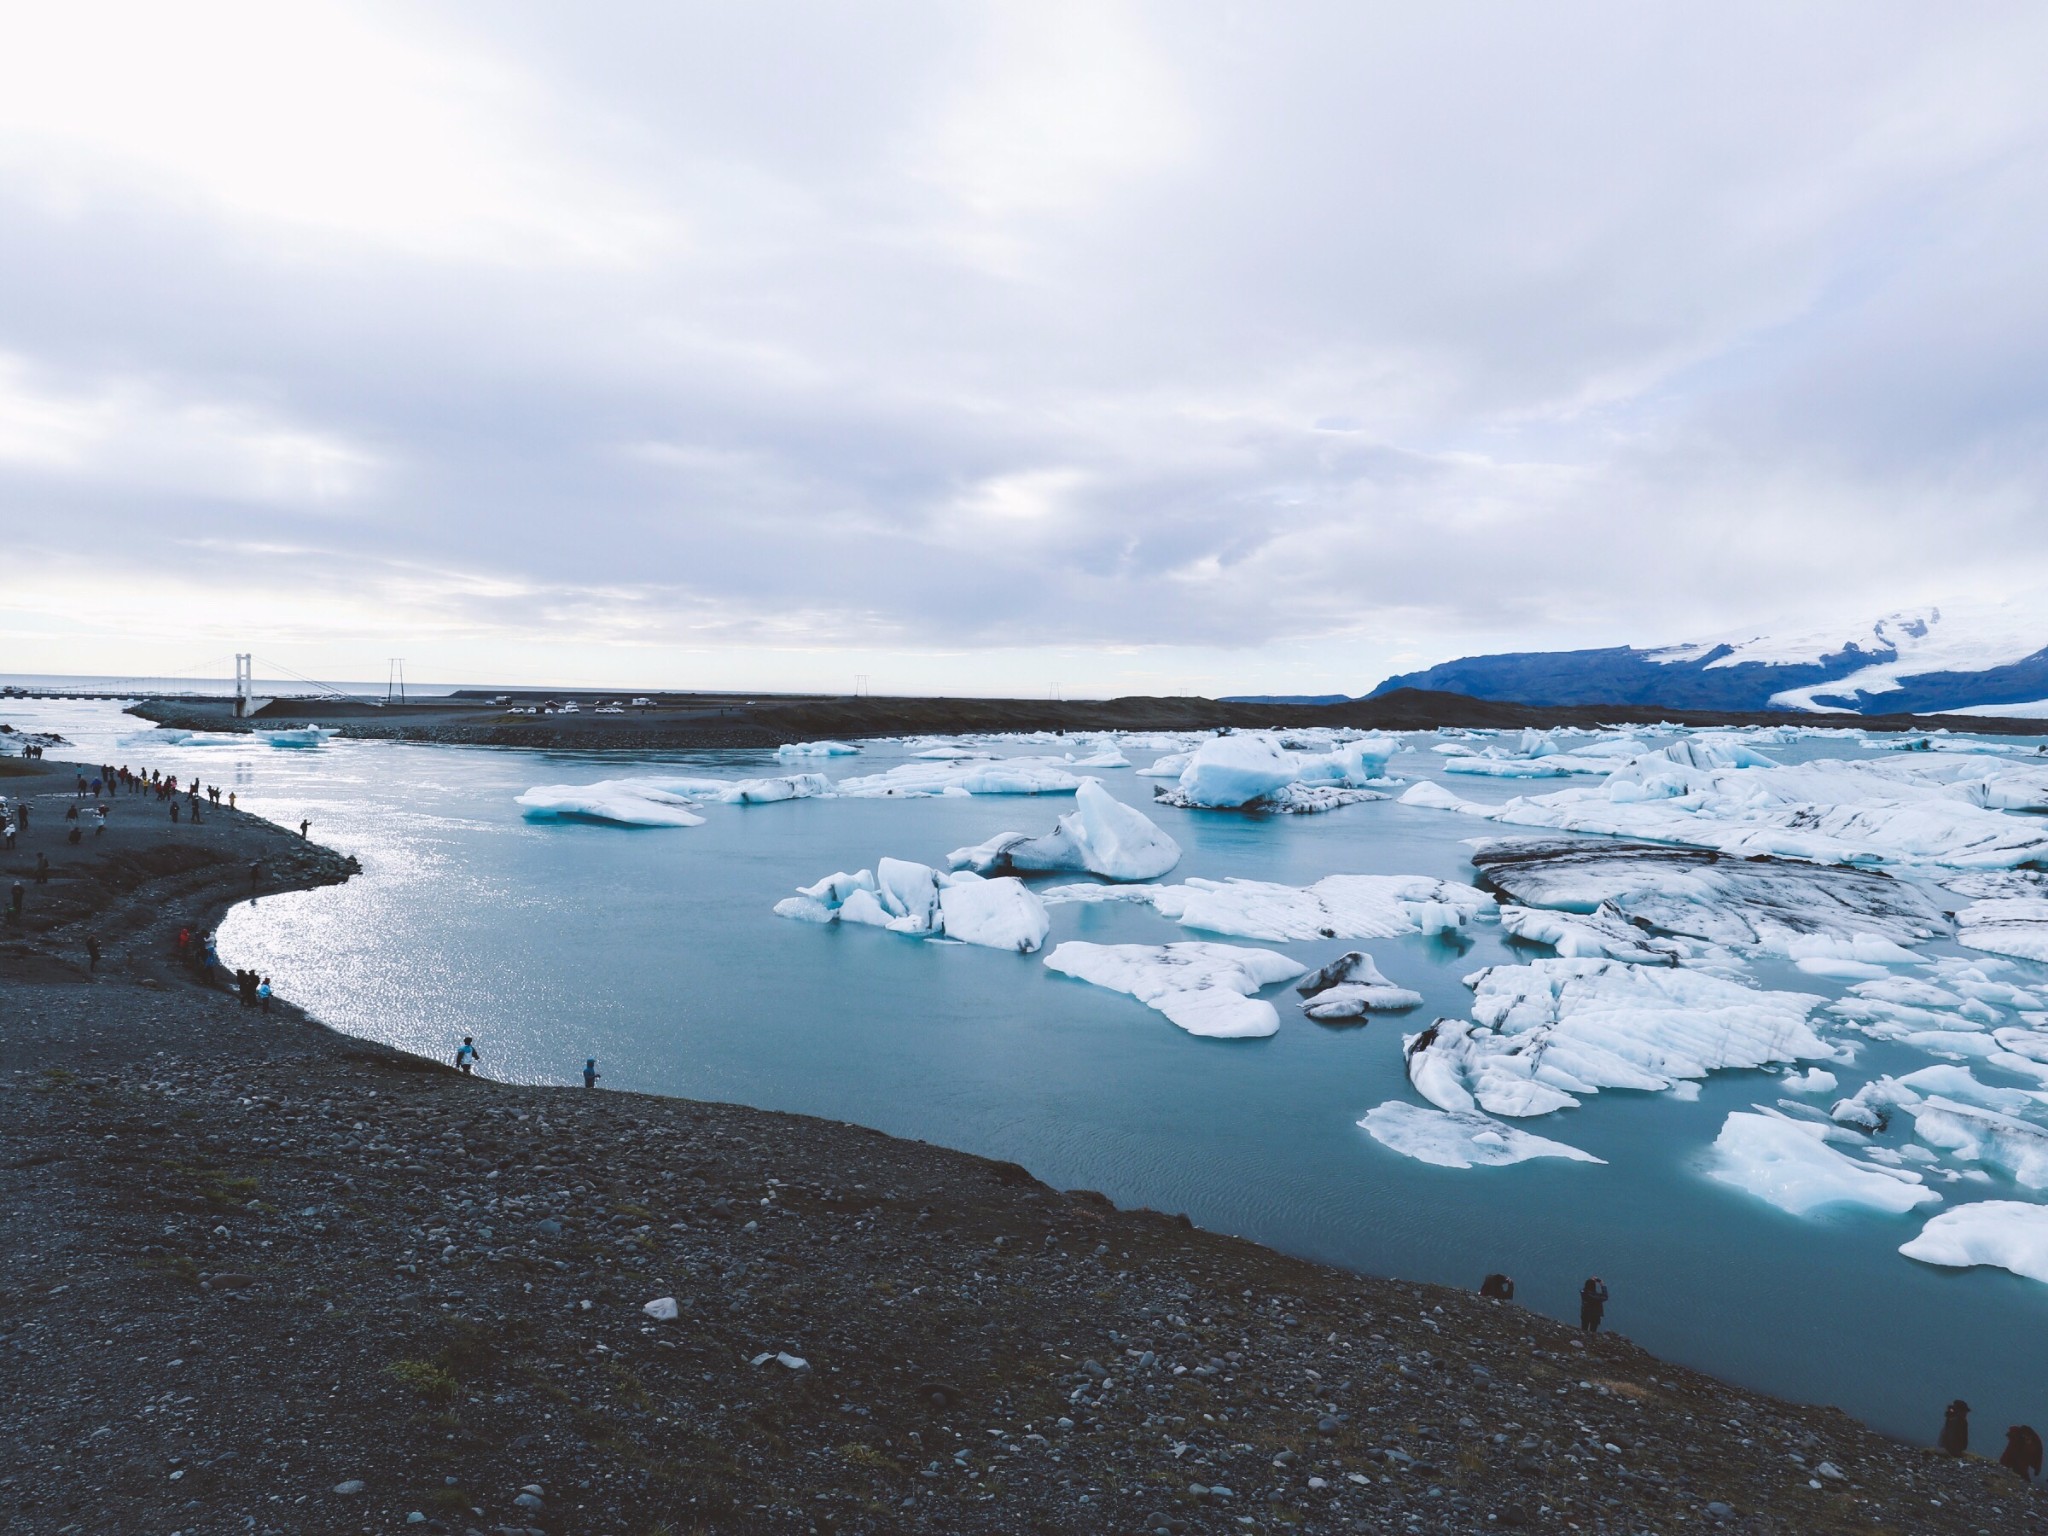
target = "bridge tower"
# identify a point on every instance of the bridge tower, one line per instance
(245, 681)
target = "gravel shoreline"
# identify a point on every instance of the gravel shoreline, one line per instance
(263, 1277)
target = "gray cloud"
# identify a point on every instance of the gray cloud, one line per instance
(1366, 335)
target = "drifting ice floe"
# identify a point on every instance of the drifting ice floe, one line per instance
(1542, 755)
(1544, 1032)
(1826, 811)
(1758, 905)
(1350, 987)
(795, 751)
(1204, 988)
(918, 900)
(1335, 907)
(1459, 1140)
(666, 802)
(1789, 1163)
(2008, 1234)
(623, 802)
(1100, 836)
(996, 776)
(2012, 925)
(1602, 934)
(1251, 770)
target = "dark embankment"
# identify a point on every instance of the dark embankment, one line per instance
(684, 721)
(259, 1277)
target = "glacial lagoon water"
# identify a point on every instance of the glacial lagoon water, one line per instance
(657, 951)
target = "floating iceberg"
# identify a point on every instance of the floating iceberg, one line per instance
(297, 736)
(1335, 907)
(1602, 934)
(1826, 811)
(621, 802)
(1459, 1140)
(1766, 905)
(1252, 770)
(1350, 987)
(915, 899)
(797, 751)
(1207, 989)
(2013, 925)
(1789, 1163)
(994, 776)
(2007, 1234)
(1100, 836)
(1552, 1029)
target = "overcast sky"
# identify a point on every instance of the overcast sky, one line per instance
(1006, 348)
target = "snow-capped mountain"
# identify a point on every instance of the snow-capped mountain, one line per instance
(1985, 659)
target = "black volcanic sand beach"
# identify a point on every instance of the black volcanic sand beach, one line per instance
(681, 722)
(261, 1277)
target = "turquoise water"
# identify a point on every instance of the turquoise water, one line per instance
(657, 952)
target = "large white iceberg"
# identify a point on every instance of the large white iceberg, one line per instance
(797, 751)
(2008, 1234)
(1001, 913)
(2012, 925)
(1602, 934)
(1545, 1032)
(1790, 1164)
(1459, 1140)
(1100, 836)
(1254, 770)
(1207, 989)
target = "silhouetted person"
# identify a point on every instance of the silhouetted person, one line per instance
(465, 1054)
(590, 1073)
(305, 826)
(1955, 1428)
(2022, 1451)
(92, 952)
(1499, 1287)
(1592, 1304)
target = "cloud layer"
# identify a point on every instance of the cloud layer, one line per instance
(1006, 348)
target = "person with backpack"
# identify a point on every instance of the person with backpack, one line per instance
(2022, 1452)
(465, 1055)
(1592, 1304)
(1955, 1428)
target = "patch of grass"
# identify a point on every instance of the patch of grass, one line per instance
(862, 1454)
(448, 1498)
(55, 1078)
(433, 1382)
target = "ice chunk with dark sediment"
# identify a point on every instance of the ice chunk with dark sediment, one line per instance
(1603, 933)
(1253, 770)
(1350, 987)
(2011, 925)
(1459, 1139)
(1207, 989)
(917, 900)
(1545, 1032)
(1755, 904)
(1100, 836)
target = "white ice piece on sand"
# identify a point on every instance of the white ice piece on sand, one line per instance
(1100, 836)
(1459, 1140)
(662, 1309)
(1350, 987)
(1207, 989)
(2008, 1234)
(1790, 1164)
(622, 802)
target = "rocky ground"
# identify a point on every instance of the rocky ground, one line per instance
(260, 1277)
(687, 722)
